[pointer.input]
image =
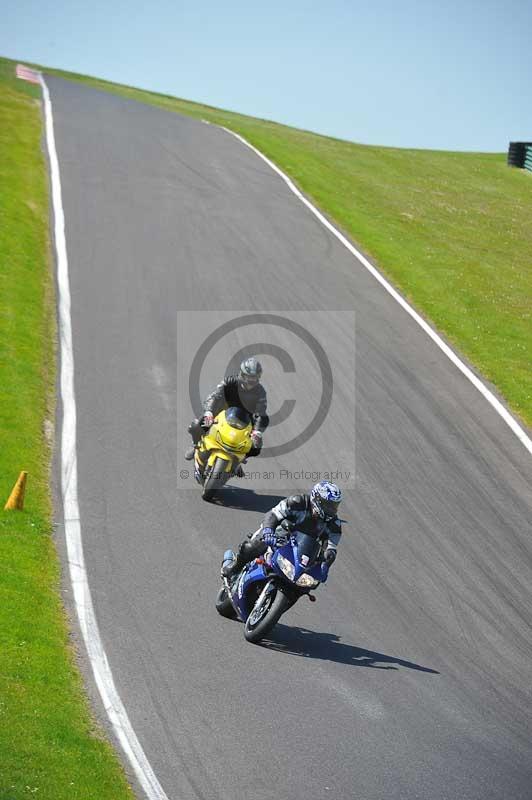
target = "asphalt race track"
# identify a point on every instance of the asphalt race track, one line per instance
(411, 676)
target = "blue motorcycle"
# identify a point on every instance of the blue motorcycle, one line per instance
(271, 584)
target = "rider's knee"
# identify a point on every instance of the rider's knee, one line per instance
(253, 548)
(195, 430)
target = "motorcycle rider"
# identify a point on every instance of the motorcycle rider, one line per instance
(242, 391)
(314, 513)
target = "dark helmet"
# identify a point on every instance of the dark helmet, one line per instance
(250, 373)
(325, 498)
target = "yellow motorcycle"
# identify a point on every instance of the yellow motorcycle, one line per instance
(222, 449)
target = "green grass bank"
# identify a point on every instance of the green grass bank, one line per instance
(451, 230)
(50, 746)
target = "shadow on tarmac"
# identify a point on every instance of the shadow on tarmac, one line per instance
(327, 646)
(246, 499)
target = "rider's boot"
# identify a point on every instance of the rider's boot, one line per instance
(246, 553)
(195, 431)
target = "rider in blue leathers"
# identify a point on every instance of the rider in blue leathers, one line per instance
(314, 513)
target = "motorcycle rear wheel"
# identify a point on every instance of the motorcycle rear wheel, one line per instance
(224, 606)
(262, 619)
(217, 477)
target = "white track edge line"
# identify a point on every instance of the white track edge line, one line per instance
(78, 575)
(451, 355)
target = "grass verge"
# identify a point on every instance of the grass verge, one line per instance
(451, 230)
(50, 746)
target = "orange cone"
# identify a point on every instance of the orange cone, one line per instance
(16, 498)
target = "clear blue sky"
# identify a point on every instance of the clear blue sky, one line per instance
(447, 75)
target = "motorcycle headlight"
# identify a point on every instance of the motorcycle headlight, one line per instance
(307, 581)
(286, 567)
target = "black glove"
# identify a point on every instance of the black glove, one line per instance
(287, 525)
(329, 556)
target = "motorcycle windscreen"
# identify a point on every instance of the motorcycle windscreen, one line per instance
(308, 547)
(237, 418)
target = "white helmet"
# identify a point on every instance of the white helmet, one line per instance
(325, 498)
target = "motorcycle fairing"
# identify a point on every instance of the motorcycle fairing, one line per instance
(225, 442)
(292, 551)
(258, 570)
(239, 591)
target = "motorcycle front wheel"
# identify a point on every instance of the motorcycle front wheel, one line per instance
(266, 613)
(216, 479)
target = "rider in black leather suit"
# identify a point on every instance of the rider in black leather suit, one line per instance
(241, 391)
(314, 513)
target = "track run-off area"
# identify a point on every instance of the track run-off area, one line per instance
(411, 676)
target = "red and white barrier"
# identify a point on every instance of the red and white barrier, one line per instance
(27, 74)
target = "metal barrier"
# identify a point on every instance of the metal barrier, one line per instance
(520, 155)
